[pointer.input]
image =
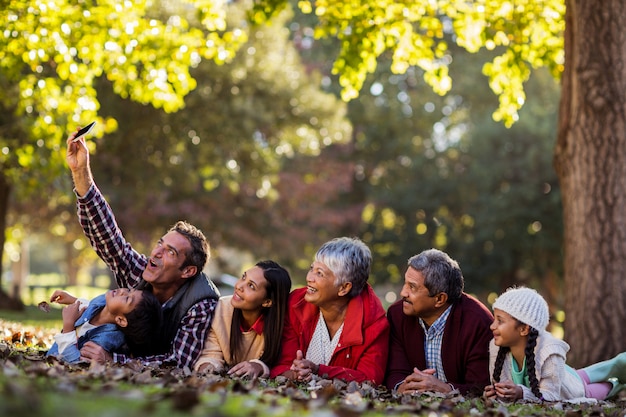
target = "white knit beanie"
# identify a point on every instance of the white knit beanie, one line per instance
(526, 305)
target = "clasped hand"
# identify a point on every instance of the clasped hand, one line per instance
(70, 314)
(303, 369)
(62, 297)
(246, 369)
(93, 352)
(421, 381)
(507, 391)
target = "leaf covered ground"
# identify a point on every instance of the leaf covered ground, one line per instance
(33, 385)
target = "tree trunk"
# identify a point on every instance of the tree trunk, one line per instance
(70, 260)
(21, 270)
(5, 191)
(590, 160)
(6, 302)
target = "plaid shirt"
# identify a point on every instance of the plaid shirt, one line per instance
(432, 344)
(99, 225)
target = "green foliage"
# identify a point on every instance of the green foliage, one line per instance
(485, 194)
(52, 52)
(527, 34)
(438, 172)
(216, 161)
(244, 160)
(253, 136)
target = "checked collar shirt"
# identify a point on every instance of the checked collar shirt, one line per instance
(432, 343)
(99, 225)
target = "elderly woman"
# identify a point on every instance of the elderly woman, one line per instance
(336, 326)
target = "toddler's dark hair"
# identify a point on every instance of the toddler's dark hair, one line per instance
(144, 326)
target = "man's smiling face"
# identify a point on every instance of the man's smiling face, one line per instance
(166, 259)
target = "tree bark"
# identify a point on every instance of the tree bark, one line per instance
(21, 269)
(70, 260)
(5, 191)
(6, 302)
(590, 160)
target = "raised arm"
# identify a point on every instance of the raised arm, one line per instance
(77, 158)
(98, 222)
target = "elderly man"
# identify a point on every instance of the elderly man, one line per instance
(439, 335)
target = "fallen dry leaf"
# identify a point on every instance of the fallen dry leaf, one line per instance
(28, 372)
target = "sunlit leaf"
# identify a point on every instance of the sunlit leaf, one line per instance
(417, 32)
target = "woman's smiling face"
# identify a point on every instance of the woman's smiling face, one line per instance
(251, 291)
(321, 286)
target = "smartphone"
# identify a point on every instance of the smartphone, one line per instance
(84, 131)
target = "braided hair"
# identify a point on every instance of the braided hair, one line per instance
(530, 362)
(529, 353)
(497, 370)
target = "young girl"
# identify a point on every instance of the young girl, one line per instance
(530, 364)
(247, 327)
(119, 320)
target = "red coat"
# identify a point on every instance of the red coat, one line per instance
(361, 354)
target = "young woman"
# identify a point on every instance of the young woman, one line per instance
(119, 320)
(527, 362)
(246, 332)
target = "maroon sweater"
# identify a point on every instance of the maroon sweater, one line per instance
(464, 349)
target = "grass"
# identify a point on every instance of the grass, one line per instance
(42, 293)
(39, 288)
(33, 316)
(32, 385)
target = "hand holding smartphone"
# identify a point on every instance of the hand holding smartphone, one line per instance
(83, 131)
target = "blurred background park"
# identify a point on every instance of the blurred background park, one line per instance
(267, 159)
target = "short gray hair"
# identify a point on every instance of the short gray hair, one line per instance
(441, 273)
(349, 259)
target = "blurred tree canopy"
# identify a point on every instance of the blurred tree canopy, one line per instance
(437, 171)
(456, 180)
(53, 52)
(527, 34)
(220, 161)
(574, 39)
(243, 160)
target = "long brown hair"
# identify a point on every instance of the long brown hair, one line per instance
(278, 288)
